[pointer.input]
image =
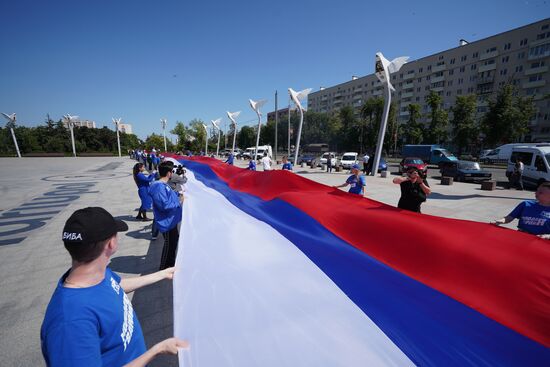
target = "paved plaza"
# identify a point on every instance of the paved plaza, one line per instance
(39, 194)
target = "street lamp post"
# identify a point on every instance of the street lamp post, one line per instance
(217, 127)
(232, 116)
(383, 70)
(205, 140)
(256, 107)
(11, 123)
(163, 123)
(296, 97)
(70, 122)
(117, 122)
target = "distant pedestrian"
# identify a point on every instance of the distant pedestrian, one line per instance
(230, 159)
(266, 162)
(329, 163)
(142, 181)
(370, 163)
(356, 181)
(286, 164)
(413, 190)
(517, 174)
(365, 163)
(251, 165)
(533, 215)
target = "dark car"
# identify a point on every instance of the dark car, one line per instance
(464, 171)
(308, 158)
(413, 162)
(382, 165)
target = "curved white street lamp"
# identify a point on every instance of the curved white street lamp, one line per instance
(232, 116)
(205, 140)
(70, 120)
(256, 107)
(383, 70)
(217, 127)
(163, 124)
(117, 123)
(11, 123)
(296, 97)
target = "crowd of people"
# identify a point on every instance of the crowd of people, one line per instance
(90, 320)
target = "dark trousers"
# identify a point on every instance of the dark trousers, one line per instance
(168, 258)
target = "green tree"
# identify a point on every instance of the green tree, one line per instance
(414, 130)
(439, 119)
(465, 129)
(507, 119)
(246, 137)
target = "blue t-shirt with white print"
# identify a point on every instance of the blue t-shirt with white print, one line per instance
(92, 326)
(533, 217)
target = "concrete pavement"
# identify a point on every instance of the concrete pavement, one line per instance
(39, 194)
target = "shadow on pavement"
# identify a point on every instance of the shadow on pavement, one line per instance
(152, 304)
(437, 195)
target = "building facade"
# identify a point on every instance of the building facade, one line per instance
(520, 56)
(125, 128)
(82, 123)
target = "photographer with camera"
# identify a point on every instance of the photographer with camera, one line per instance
(414, 190)
(168, 212)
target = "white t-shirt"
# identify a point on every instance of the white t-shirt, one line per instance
(266, 163)
(366, 158)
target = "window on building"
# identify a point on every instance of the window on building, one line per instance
(452, 61)
(420, 70)
(519, 68)
(503, 72)
(505, 59)
(540, 51)
(535, 78)
(537, 64)
(523, 42)
(459, 91)
(448, 94)
(450, 83)
(492, 49)
(475, 54)
(462, 68)
(507, 46)
(427, 87)
(451, 72)
(418, 89)
(473, 67)
(460, 81)
(429, 68)
(463, 58)
(544, 27)
(441, 57)
(428, 77)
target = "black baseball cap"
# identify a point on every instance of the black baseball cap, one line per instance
(91, 225)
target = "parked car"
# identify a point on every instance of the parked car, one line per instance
(464, 171)
(413, 162)
(536, 167)
(308, 158)
(333, 159)
(349, 159)
(503, 152)
(382, 165)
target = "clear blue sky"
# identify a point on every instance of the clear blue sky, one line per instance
(143, 60)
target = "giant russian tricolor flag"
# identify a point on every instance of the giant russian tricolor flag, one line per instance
(278, 270)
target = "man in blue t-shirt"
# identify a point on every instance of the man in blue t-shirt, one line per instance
(230, 159)
(286, 164)
(533, 215)
(356, 181)
(90, 320)
(168, 212)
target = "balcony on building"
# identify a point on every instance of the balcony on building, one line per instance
(534, 84)
(357, 90)
(488, 55)
(409, 76)
(407, 94)
(337, 95)
(404, 113)
(438, 68)
(437, 79)
(404, 104)
(540, 69)
(488, 67)
(437, 89)
(377, 92)
(409, 84)
(357, 103)
(338, 102)
(486, 79)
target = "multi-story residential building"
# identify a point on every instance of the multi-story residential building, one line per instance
(520, 56)
(82, 123)
(125, 128)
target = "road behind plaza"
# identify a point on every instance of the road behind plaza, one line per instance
(39, 194)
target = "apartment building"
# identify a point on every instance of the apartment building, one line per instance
(82, 123)
(520, 56)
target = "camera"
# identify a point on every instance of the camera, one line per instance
(179, 170)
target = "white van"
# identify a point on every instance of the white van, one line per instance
(349, 159)
(249, 152)
(503, 152)
(535, 162)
